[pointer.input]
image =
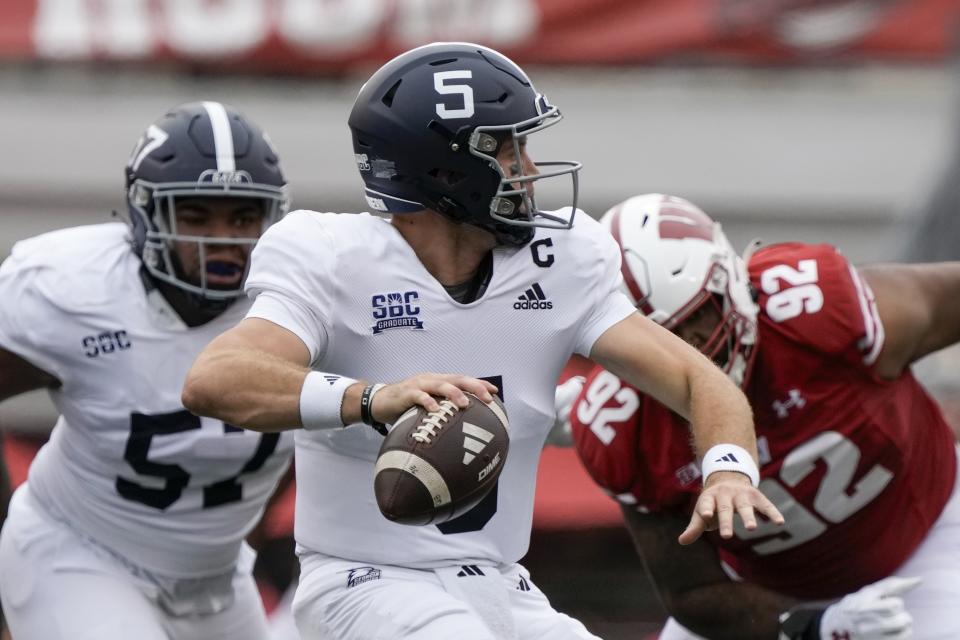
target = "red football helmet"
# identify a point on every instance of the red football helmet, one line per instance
(675, 261)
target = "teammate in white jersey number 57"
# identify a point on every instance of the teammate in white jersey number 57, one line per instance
(132, 522)
(469, 276)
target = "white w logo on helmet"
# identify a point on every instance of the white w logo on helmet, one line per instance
(676, 260)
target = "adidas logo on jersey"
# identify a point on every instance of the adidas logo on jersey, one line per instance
(470, 570)
(533, 298)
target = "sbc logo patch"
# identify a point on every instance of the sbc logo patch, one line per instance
(396, 310)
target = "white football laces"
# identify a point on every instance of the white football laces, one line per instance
(435, 420)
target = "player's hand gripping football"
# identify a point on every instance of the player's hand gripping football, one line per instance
(724, 495)
(875, 612)
(394, 399)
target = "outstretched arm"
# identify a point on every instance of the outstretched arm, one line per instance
(668, 369)
(919, 306)
(253, 374)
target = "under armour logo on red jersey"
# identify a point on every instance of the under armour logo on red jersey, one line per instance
(794, 399)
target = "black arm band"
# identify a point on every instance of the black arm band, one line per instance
(366, 408)
(801, 622)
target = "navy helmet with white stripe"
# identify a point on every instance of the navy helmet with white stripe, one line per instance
(197, 150)
(428, 127)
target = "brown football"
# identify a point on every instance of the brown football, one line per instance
(433, 467)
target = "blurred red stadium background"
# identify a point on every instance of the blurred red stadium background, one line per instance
(308, 36)
(580, 554)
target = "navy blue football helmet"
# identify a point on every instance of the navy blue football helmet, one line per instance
(428, 127)
(197, 150)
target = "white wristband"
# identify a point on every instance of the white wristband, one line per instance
(320, 400)
(730, 457)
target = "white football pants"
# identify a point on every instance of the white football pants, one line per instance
(56, 586)
(348, 600)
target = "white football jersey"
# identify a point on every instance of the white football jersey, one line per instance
(127, 465)
(357, 295)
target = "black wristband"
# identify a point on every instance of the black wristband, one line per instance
(366, 408)
(802, 622)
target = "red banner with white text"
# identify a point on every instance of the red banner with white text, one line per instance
(332, 36)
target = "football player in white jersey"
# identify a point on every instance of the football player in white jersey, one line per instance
(468, 276)
(132, 522)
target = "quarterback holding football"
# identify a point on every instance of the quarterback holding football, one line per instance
(468, 275)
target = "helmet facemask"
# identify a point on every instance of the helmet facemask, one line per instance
(681, 271)
(156, 204)
(514, 202)
(730, 345)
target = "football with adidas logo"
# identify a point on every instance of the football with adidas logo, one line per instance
(435, 466)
